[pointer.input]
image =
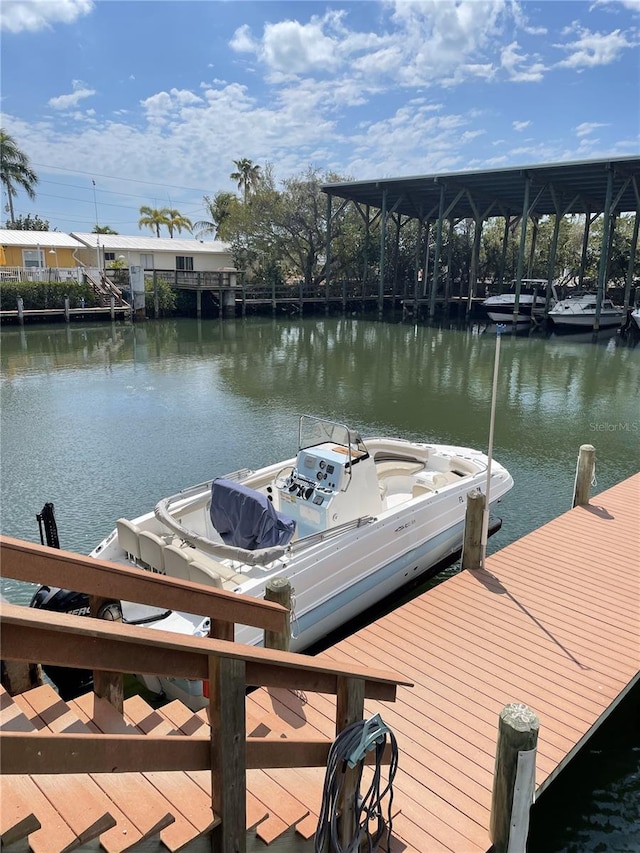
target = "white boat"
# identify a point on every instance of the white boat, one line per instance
(635, 315)
(348, 521)
(500, 308)
(578, 311)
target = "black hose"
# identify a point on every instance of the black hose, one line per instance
(348, 750)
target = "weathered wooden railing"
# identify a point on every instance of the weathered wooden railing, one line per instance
(64, 640)
(104, 581)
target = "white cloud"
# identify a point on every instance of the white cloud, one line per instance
(424, 43)
(520, 125)
(290, 47)
(33, 15)
(519, 68)
(587, 127)
(66, 102)
(634, 5)
(592, 49)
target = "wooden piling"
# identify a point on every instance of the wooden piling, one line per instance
(584, 475)
(18, 677)
(67, 312)
(349, 709)
(514, 778)
(279, 590)
(472, 544)
(20, 301)
(107, 685)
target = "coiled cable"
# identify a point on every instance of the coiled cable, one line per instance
(349, 750)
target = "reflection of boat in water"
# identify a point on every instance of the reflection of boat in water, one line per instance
(346, 521)
(500, 308)
(578, 311)
(602, 336)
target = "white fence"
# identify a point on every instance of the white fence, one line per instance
(42, 274)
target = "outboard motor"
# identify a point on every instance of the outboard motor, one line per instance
(70, 682)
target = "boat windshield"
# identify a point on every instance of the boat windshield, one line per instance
(314, 431)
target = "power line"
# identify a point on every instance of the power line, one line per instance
(115, 178)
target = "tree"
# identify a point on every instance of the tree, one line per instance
(175, 220)
(247, 176)
(15, 169)
(151, 217)
(103, 229)
(218, 210)
(29, 223)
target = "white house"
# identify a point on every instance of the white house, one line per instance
(154, 253)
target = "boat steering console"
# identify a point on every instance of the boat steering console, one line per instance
(320, 475)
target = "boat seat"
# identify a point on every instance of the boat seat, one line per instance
(128, 537)
(201, 574)
(420, 489)
(436, 479)
(176, 562)
(152, 550)
(397, 467)
(229, 577)
(398, 484)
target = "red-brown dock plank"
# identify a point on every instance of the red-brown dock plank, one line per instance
(553, 621)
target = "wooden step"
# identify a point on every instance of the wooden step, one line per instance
(12, 718)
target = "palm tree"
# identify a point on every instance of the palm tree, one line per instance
(218, 209)
(247, 176)
(15, 169)
(151, 217)
(175, 220)
(103, 229)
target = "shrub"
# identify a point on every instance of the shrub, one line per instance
(166, 296)
(38, 295)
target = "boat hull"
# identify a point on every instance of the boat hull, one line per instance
(586, 321)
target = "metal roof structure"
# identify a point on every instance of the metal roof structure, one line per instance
(564, 188)
(44, 239)
(120, 242)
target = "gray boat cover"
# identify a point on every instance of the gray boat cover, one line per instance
(247, 519)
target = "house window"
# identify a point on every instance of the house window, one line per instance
(109, 256)
(33, 258)
(184, 262)
(146, 261)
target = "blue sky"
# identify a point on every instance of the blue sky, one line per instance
(154, 99)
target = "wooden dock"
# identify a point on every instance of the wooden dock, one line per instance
(553, 622)
(45, 314)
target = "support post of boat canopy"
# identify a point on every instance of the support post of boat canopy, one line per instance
(523, 243)
(632, 260)
(602, 268)
(436, 257)
(503, 253)
(475, 261)
(383, 238)
(588, 221)
(449, 278)
(327, 277)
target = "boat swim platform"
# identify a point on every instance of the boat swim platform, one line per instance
(553, 621)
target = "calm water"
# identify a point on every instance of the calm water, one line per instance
(104, 420)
